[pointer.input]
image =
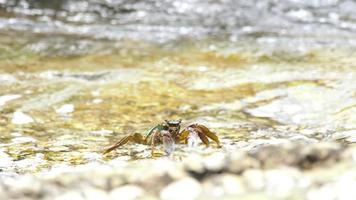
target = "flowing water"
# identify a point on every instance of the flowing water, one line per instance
(78, 75)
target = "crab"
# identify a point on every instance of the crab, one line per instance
(168, 133)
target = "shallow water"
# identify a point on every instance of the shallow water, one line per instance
(74, 80)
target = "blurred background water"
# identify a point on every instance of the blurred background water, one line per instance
(66, 27)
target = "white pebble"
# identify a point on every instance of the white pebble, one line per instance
(215, 162)
(66, 108)
(71, 195)
(6, 98)
(102, 132)
(5, 160)
(97, 101)
(254, 179)
(127, 192)
(186, 188)
(94, 194)
(281, 182)
(21, 118)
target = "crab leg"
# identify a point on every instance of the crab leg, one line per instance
(155, 136)
(210, 134)
(136, 137)
(203, 138)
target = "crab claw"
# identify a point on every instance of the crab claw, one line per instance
(193, 138)
(191, 134)
(168, 142)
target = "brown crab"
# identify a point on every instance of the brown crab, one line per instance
(169, 134)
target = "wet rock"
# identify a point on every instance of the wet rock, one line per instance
(186, 188)
(5, 160)
(21, 118)
(7, 79)
(6, 98)
(127, 192)
(65, 109)
(349, 136)
(298, 154)
(97, 101)
(19, 140)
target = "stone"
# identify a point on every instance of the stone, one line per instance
(254, 179)
(64, 109)
(6, 98)
(70, 195)
(194, 163)
(95, 194)
(186, 188)
(215, 162)
(26, 185)
(5, 160)
(20, 118)
(280, 183)
(239, 162)
(3, 193)
(226, 184)
(127, 192)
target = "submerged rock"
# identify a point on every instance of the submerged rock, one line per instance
(6, 98)
(20, 118)
(65, 109)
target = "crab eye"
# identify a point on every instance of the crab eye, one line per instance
(174, 122)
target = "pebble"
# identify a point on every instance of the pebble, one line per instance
(6, 98)
(239, 162)
(186, 188)
(70, 195)
(194, 163)
(20, 140)
(97, 101)
(3, 193)
(226, 184)
(5, 160)
(127, 192)
(25, 184)
(94, 194)
(280, 183)
(20, 118)
(349, 135)
(64, 109)
(215, 162)
(254, 179)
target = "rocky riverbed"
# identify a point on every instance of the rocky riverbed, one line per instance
(288, 170)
